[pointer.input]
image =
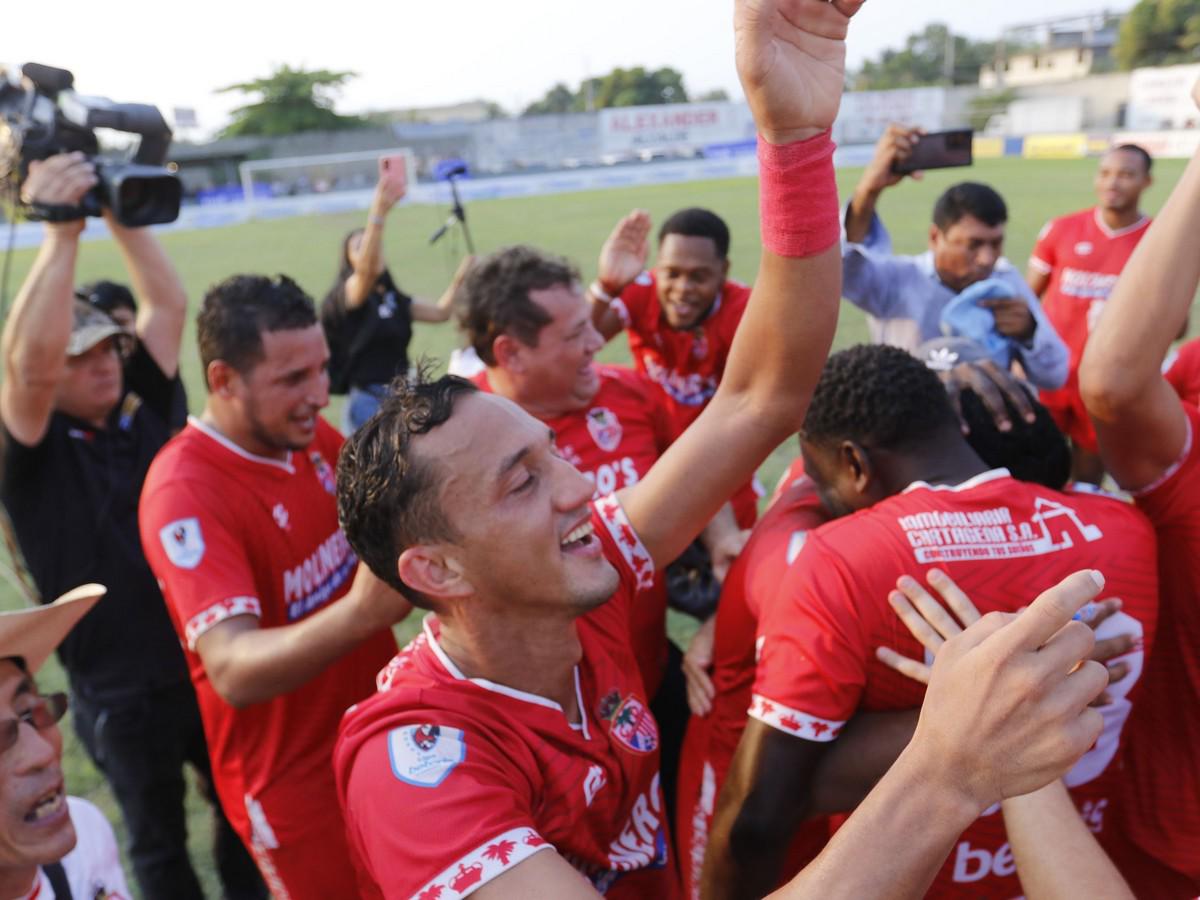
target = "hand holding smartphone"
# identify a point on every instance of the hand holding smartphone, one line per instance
(938, 150)
(393, 176)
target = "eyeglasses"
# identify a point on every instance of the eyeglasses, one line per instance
(44, 712)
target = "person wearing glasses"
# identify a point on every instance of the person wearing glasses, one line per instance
(52, 846)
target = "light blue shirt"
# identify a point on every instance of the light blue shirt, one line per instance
(903, 298)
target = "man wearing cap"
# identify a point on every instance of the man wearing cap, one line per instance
(54, 847)
(78, 437)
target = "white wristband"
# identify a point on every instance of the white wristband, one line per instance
(597, 291)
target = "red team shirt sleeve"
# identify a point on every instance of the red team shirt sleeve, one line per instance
(1043, 257)
(439, 813)
(199, 557)
(1172, 498)
(812, 654)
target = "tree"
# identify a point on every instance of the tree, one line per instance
(292, 100)
(620, 87)
(1160, 32)
(716, 95)
(923, 61)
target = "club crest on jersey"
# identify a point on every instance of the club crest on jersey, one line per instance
(605, 428)
(183, 542)
(423, 755)
(699, 344)
(629, 722)
(324, 472)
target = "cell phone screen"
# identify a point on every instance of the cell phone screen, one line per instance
(939, 150)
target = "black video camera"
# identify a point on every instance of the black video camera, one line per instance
(41, 115)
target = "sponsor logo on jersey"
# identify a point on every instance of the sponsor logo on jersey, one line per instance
(183, 542)
(592, 783)
(324, 472)
(424, 755)
(604, 427)
(630, 722)
(280, 515)
(689, 390)
(1084, 248)
(313, 583)
(1080, 283)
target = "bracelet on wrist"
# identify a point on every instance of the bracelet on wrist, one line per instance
(376, 220)
(596, 289)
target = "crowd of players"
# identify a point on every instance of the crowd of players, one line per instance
(943, 662)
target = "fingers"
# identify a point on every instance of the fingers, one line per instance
(700, 689)
(1051, 611)
(1012, 389)
(980, 380)
(1068, 649)
(954, 393)
(932, 611)
(1111, 648)
(1078, 689)
(1094, 614)
(915, 622)
(917, 671)
(953, 596)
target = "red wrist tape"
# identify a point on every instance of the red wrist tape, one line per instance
(798, 201)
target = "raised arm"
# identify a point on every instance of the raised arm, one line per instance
(369, 264)
(622, 259)
(162, 301)
(424, 311)
(1139, 421)
(34, 343)
(791, 60)
(895, 145)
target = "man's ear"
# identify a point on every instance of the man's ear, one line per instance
(725, 269)
(858, 463)
(507, 351)
(435, 571)
(220, 377)
(934, 233)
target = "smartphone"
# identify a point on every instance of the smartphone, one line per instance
(938, 150)
(394, 169)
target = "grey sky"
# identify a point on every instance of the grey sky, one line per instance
(428, 52)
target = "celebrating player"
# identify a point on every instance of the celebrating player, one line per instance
(1074, 266)
(881, 438)
(239, 523)
(1148, 442)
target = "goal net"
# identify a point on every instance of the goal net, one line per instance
(337, 181)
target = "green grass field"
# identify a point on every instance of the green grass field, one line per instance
(574, 225)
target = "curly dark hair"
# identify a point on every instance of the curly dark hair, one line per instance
(1035, 451)
(494, 297)
(387, 494)
(877, 396)
(237, 311)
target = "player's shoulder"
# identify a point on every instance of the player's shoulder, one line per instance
(188, 454)
(1115, 506)
(623, 382)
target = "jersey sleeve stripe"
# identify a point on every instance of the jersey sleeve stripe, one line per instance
(1040, 265)
(200, 623)
(1172, 469)
(621, 530)
(487, 861)
(793, 721)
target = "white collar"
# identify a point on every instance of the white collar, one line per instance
(1109, 232)
(207, 430)
(981, 478)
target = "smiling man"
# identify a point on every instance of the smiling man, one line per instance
(282, 628)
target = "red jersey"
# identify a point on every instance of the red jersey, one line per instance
(614, 442)
(1183, 371)
(1083, 258)
(1003, 541)
(496, 774)
(711, 740)
(1163, 800)
(686, 365)
(229, 534)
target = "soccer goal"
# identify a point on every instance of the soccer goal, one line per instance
(330, 182)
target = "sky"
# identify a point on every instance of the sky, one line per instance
(432, 52)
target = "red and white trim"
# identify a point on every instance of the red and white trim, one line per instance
(1040, 265)
(481, 865)
(793, 721)
(1173, 468)
(210, 432)
(1142, 222)
(635, 554)
(981, 478)
(618, 306)
(198, 624)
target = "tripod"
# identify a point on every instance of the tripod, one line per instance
(457, 215)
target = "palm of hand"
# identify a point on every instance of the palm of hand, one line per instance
(791, 56)
(622, 259)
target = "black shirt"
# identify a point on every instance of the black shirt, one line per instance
(374, 336)
(73, 502)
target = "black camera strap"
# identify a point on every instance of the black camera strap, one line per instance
(55, 212)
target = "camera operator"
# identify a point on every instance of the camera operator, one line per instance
(78, 437)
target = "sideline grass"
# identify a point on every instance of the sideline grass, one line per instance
(574, 225)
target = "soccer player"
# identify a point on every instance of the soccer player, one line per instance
(523, 314)
(1148, 442)
(282, 629)
(1074, 265)
(680, 316)
(905, 297)
(882, 441)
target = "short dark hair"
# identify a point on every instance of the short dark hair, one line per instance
(387, 496)
(880, 397)
(107, 296)
(1147, 159)
(494, 297)
(697, 222)
(237, 311)
(1035, 452)
(969, 199)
